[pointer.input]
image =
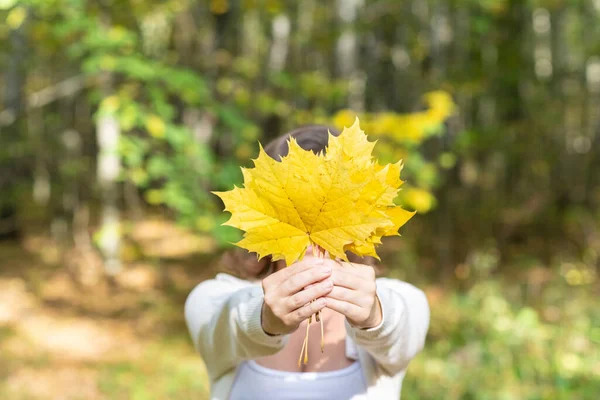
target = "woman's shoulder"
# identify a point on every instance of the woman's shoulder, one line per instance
(222, 282)
(398, 286)
(393, 282)
(227, 279)
(212, 292)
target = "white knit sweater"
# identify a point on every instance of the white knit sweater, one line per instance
(223, 318)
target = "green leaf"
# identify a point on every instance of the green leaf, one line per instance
(159, 167)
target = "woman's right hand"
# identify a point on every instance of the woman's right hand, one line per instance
(288, 301)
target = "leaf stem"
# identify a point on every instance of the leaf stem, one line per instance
(302, 351)
(318, 252)
(322, 337)
(321, 253)
(306, 339)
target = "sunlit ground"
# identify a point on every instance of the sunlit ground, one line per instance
(59, 340)
(537, 337)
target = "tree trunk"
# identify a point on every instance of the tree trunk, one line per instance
(108, 132)
(347, 53)
(108, 170)
(10, 135)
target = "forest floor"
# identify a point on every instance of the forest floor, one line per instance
(92, 340)
(68, 333)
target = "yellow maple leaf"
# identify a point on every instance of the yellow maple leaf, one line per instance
(340, 200)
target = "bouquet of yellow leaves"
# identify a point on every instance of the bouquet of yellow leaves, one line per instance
(337, 201)
(342, 200)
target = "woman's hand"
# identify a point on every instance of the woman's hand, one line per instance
(354, 295)
(287, 302)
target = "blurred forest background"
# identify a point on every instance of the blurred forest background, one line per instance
(118, 117)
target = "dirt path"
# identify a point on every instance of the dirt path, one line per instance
(60, 340)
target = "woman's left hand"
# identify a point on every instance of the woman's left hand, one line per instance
(354, 295)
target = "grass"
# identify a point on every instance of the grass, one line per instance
(166, 370)
(486, 345)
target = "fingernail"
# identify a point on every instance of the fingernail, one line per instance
(328, 283)
(319, 261)
(326, 269)
(321, 302)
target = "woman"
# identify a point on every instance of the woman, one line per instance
(250, 330)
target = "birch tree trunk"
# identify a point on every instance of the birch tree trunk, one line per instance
(279, 48)
(108, 168)
(347, 53)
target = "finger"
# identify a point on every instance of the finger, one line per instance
(346, 279)
(311, 285)
(349, 310)
(307, 295)
(302, 313)
(302, 279)
(360, 270)
(349, 296)
(286, 273)
(364, 271)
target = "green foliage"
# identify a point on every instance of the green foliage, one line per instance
(160, 153)
(163, 371)
(482, 345)
(185, 131)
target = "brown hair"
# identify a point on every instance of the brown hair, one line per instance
(310, 137)
(246, 265)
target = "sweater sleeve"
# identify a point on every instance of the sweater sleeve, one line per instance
(224, 321)
(401, 334)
